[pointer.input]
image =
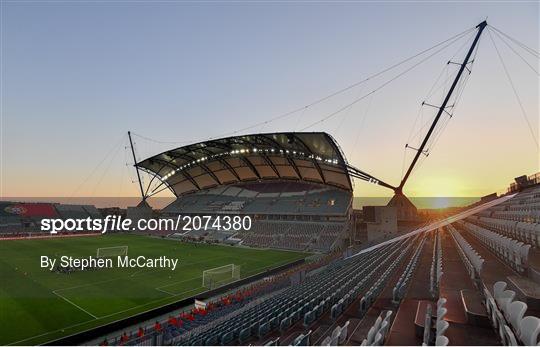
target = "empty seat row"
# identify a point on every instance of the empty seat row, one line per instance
(302, 339)
(472, 260)
(507, 316)
(522, 215)
(436, 272)
(277, 199)
(292, 235)
(369, 297)
(512, 252)
(434, 329)
(338, 336)
(379, 330)
(522, 231)
(389, 264)
(441, 325)
(401, 285)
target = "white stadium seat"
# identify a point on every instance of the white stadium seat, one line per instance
(529, 329)
(441, 341)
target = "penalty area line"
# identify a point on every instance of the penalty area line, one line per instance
(74, 304)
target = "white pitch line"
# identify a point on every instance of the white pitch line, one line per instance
(164, 291)
(173, 283)
(184, 292)
(136, 272)
(187, 291)
(74, 304)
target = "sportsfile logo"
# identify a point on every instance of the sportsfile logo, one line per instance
(118, 223)
(54, 225)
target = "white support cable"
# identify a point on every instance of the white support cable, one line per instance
(114, 149)
(523, 112)
(450, 40)
(520, 44)
(381, 86)
(515, 52)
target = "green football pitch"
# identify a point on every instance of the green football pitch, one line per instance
(37, 305)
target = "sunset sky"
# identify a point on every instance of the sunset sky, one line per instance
(76, 76)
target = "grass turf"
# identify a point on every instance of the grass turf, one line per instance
(37, 305)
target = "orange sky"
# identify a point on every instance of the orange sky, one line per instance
(73, 88)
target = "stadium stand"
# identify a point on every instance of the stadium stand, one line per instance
(463, 281)
(318, 236)
(75, 211)
(301, 216)
(17, 218)
(23, 218)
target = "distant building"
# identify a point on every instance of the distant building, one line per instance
(406, 211)
(141, 211)
(488, 198)
(381, 221)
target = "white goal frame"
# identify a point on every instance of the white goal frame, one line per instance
(107, 252)
(218, 276)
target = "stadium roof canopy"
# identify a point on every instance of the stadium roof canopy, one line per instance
(313, 157)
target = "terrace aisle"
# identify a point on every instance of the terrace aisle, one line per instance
(402, 331)
(455, 278)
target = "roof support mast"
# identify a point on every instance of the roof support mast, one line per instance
(420, 150)
(136, 167)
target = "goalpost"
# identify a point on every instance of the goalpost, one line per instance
(107, 252)
(216, 277)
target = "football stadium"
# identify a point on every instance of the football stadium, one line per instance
(262, 243)
(296, 277)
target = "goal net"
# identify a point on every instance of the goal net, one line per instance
(216, 277)
(107, 252)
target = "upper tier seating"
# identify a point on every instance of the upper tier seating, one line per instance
(266, 198)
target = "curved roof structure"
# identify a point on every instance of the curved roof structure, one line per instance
(313, 157)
